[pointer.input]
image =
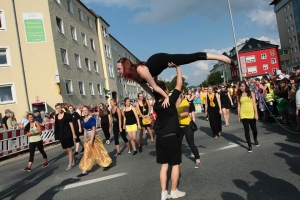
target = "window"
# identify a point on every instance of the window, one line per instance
(107, 51)
(288, 6)
(64, 56)
(60, 25)
(292, 50)
(80, 15)
(77, 60)
(250, 47)
(292, 28)
(2, 20)
(99, 88)
(4, 57)
(70, 6)
(57, 1)
(87, 64)
(89, 21)
(258, 45)
(286, 19)
(83, 39)
(114, 46)
(297, 59)
(69, 87)
(284, 9)
(290, 40)
(252, 70)
(288, 30)
(92, 44)
(91, 88)
(294, 38)
(273, 60)
(111, 71)
(105, 35)
(250, 59)
(265, 67)
(296, 49)
(290, 17)
(81, 88)
(282, 62)
(95, 66)
(272, 53)
(264, 56)
(73, 33)
(7, 93)
(293, 60)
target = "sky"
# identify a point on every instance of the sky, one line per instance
(146, 27)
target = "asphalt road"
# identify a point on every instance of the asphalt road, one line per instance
(227, 170)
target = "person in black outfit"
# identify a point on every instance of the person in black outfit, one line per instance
(143, 72)
(168, 148)
(77, 128)
(190, 98)
(118, 126)
(4, 119)
(226, 101)
(106, 122)
(213, 108)
(64, 132)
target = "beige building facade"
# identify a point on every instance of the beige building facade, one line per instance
(62, 55)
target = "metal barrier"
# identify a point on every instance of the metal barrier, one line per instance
(15, 141)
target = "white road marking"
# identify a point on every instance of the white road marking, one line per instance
(231, 145)
(89, 182)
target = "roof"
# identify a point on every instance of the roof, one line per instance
(274, 2)
(253, 45)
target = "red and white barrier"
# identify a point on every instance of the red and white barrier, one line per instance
(15, 141)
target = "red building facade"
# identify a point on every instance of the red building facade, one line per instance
(256, 58)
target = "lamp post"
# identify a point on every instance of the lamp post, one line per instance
(236, 50)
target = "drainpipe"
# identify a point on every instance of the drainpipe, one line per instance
(21, 57)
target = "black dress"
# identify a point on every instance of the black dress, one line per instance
(214, 116)
(192, 106)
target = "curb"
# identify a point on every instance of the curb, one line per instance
(25, 156)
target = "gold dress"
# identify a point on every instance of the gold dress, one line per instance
(96, 152)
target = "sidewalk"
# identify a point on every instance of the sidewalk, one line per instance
(25, 154)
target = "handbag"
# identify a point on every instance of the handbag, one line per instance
(193, 125)
(146, 120)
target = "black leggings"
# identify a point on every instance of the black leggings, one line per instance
(105, 129)
(252, 123)
(32, 146)
(189, 136)
(158, 62)
(116, 134)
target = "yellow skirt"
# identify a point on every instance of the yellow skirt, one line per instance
(131, 128)
(97, 153)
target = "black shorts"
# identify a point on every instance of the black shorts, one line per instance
(67, 143)
(168, 150)
(192, 108)
(225, 105)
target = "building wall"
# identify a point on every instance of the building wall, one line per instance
(259, 62)
(83, 73)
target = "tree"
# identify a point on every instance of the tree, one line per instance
(214, 78)
(171, 85)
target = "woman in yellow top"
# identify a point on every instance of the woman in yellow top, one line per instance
(203, 100)
(182, 106)
(247, 112)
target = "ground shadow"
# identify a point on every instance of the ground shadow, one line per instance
(234, 139)
(207, 131)
(16, 189)
(231, 196)
(51, 192)
(267, 187)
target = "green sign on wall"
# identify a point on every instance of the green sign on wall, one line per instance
(34, 27)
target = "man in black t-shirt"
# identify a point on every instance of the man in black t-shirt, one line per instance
(4, 119)
(168, 148)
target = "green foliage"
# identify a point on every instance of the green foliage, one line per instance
(212, 79)
(171, 84)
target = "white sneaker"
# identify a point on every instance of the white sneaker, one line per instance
(177, 194)
(107, 142)
(69, 167)
(165, 195)
(129, 151)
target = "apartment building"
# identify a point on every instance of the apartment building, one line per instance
(224, 70)
(126, 88)
(288, 21)
(53, 51)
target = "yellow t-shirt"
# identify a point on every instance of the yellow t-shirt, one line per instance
(203, 98)
(180, 109)
(247, 111)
